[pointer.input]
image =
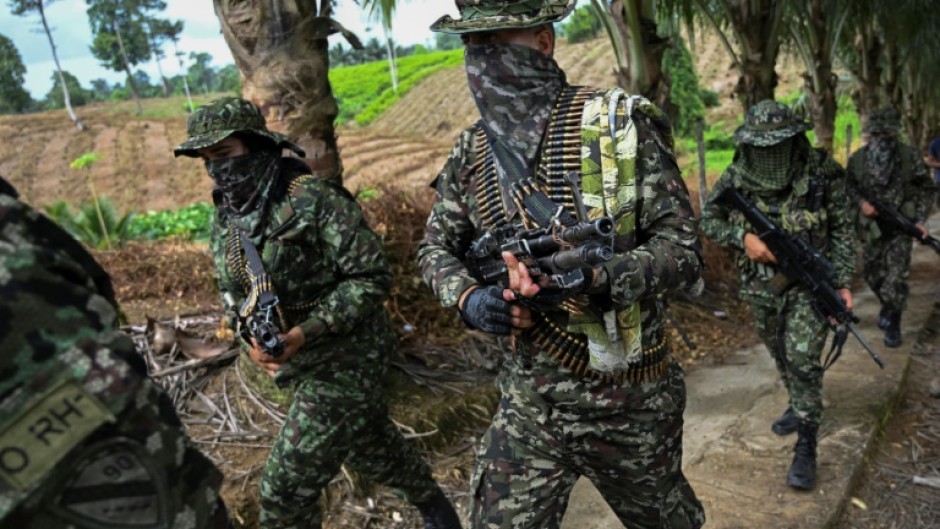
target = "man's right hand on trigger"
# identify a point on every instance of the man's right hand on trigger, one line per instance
(485, 309)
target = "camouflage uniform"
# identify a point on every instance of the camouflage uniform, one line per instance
(330, 275)
(557, 420)
(905, 185)
(86, 439)
(803, 191)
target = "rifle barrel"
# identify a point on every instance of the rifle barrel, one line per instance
(871, 352)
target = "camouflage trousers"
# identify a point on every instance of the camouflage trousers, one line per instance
(798, 363)
(887, 265)
(552, 427)
(329, 425)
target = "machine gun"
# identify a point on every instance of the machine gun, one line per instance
(559, 253)
(892, 219)
(800, 263)
(260, 324)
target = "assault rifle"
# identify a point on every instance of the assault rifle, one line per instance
(800, 263)
(890, 218)
(559, 253)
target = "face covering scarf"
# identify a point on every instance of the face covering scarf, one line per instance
(769, 170)
(881, 159)
(242, 179)
(515, 88)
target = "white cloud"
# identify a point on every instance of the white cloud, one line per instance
(201, 33)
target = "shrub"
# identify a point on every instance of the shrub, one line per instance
(86, 225)
(191, 222)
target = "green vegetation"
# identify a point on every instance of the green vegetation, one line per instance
(95, 223)
(191, 222)
(685, 92)
(365, 91)
(582, 25)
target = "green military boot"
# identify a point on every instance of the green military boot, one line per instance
(893, 330)
(438, 512)
(786, 423)
(802, 474)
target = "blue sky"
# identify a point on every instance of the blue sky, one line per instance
(201, 32)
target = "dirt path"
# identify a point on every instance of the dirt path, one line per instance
(738, 467)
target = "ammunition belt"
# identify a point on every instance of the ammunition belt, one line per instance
(561, 154)
(571, 351)
(238, 267)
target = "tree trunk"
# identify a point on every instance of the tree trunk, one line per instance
(868, 47)
(127, 66)
(179, 57)
(392, 61)
(58, 68)
(281, 50)
(820, 81)
(757, 26)
(634, 21)
(156, 59)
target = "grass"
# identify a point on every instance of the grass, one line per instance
(364, 91)
(160, 107)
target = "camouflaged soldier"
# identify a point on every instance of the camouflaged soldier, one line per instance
(86, 439)
(803, 191)
(894, 173)
(330, 277)
(589, 388)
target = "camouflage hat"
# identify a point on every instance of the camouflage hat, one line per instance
(488, 15)
(882, 121)
(223, 117)
(768, 123)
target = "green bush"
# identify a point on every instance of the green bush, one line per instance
(85, 224)
(192, 222)
(685, 92)
(364, 91)
(710, 98)
(716, 138)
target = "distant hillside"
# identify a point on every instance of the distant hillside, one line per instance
(441, 106)
(405, 146)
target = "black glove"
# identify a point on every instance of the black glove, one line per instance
(486, 310)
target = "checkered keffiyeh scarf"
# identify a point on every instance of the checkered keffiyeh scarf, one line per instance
(770, 170)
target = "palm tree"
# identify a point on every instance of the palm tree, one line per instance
(815, 27)
(638, 47)
(756, 26)
(281, 50)
(384, 11)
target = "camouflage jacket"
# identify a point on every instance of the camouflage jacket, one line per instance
(327, 268)
(86, 439)
(910, 190)
(660, 256)
(816, 207)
